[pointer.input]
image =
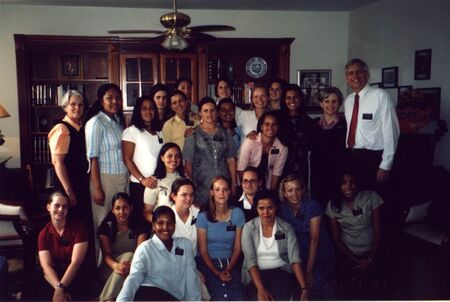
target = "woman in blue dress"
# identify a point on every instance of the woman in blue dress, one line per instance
(316, 249)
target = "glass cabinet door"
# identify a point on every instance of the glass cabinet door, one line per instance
(175, 66)
(138, 74)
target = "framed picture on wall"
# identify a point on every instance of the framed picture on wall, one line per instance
(70, 67)
(422, 64)
(389, 77)
(312, 81)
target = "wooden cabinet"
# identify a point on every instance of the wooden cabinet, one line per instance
(49, 65)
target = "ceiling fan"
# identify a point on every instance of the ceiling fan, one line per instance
(177, 30)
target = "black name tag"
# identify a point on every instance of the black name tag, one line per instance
(194, 220)
(160, 140)
(357, 212)
(179, 251)
(280, 236)
(275, 151)
(231, 228)
(367, 116)
(63, 241)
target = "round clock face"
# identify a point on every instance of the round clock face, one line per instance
(256, 67)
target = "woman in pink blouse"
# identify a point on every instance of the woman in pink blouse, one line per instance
(266, 153)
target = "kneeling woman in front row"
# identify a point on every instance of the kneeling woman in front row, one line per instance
(272, 265)
(62, 246)
(163, 268)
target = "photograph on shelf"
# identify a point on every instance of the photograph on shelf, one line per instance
(422, 64)
(70, 67)
(389, 77)
(311, 81)
(418, 108)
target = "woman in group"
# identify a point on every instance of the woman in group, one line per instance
(119, 236)
(185, 85)
(68, 150)
(222, 89)
(181, 124)
(272, 264)
(163, 267)
(266, 152)
(328, 146)
(219, 231)
(316, 248)
(62, 246)
(209, 152)
(247, 120)
(169, 167)
(108, 172)
(159, 93)
(296, 129)
(227, 119)
(141, 143)
(356, 230)
(276, 88)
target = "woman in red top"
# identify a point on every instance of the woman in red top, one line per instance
(62, 246)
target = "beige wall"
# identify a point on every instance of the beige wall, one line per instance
(387, 33)
(321, 40)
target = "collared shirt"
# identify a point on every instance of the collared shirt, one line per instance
(146, 149)
(104, 141)
(59, 137)
(61, 246)
(174, 129)
(378, 127)
(356, 222)
(174, 271)
(187, 229)
(251, 153)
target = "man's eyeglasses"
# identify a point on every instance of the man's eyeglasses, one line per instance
(249, 181)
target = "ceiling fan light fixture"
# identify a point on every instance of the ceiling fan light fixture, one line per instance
(174, 41)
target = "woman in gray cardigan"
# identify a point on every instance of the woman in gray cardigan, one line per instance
(272, 267)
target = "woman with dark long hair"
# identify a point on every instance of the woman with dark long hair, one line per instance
(159, 93)
(119, 236)
(227, 119)
(296, 129)
(108, 172)
(169, 167)
(141, 143)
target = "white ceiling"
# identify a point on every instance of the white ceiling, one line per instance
(298, 5)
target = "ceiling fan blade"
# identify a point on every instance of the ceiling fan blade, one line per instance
(212, 28)
(199, 35)
(136, 31)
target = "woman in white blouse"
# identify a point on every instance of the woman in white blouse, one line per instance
(141, 143)
(247, 120)
(272, 268)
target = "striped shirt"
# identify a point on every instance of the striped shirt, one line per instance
(104, 141)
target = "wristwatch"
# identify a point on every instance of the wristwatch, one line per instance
(62, 286)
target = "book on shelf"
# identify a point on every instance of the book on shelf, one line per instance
(41, 151)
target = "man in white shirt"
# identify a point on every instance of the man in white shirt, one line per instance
(372, 142)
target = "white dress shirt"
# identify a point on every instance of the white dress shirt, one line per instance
(378, 127)
(174, 271)
(187, 230)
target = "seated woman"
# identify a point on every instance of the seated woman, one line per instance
(266, 152)
(355, 228)
(163, 267)
(219, 232)
(119, 236)
(168, 168)
(272, 266)
(62, 246)
(316, 248)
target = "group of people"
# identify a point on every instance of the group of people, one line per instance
(207, 201)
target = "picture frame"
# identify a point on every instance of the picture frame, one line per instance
(422, 64)
(389, 77)
(417, 110)
(311, 81)
(70, 67)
